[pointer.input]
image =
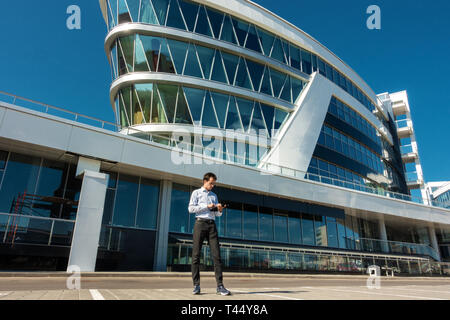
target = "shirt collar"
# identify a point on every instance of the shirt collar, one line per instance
(203, 189)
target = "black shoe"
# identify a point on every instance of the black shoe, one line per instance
(196, 290)
(221, 290)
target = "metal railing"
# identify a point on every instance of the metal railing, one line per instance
(25, 229)
(397, 247)
(206, 152)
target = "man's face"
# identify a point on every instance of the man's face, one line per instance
(209, 185)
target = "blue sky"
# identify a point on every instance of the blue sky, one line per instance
(42, 60)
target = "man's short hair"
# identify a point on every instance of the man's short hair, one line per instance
(209, 175)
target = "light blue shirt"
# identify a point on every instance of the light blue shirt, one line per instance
(199, 204)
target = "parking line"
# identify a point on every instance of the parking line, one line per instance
(412, 289)
(96, 295)
(268, 295)
(387, 294)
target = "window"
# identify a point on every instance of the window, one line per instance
(266, 224)
(234, 221)
(280, 223)
(179, 214)
(147, 213)
(126, 201)
(295, 228)
(308, 230)
(250, 225)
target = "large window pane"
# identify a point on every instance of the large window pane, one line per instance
(126, 198)
(341, 233)
(321, 231)
(147, 213)
(250, 222)
(20, 177)
(179, 214)
(266, 224)
(280, 223)
(308, 229)
(332, 232)
(295, 231)
(234, 221)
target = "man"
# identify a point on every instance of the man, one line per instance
(206, 207)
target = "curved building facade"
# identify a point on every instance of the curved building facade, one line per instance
(183, 65)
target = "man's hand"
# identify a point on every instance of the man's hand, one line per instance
(220, 207)
(211, 206)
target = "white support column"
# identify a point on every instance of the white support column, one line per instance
(383, 235)
(433, 240)
(162, 235)
(86, 235)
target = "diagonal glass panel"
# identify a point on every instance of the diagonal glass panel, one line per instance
(182, 115)
(216, 19)
(137, 117)
(277, 52)
(168, 95)
(123, 113)
(202, 25)
(195, 99)
(231, 62)
(190, 11)
(252, 42)
(174, 18)
(124, 14)
(295, 57)
(133, 6)
(140, 61)
(127, 44)
(209, 118)
(297, 87)
(158, 113)
(148, 14)
(285, 47)
(306, 62)
(280, 117)
(246, 110)
(233, 120)
(266, 86)
(161, 7)
(256, 71)
(241, 29)
(221, 105)
(258, 124)
(145, 94)
(165, 61)
(126, 96)
(267, 41)
(114, 58)
(113, 13)
(178, 52)
(192, 67)
(206, 56)
(218, 72)
(152, 46)
(122, 65)
(242, 77)
(278, 80)
(227, 33)
(286, 92)
(269, 114)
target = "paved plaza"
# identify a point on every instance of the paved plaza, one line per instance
(143, 286)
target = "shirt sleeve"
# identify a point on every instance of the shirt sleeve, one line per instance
(194, 207)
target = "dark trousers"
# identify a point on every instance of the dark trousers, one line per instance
(206, 230)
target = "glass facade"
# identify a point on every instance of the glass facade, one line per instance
(259, 219)
(140, 53)
(350, 149)
(200, 19)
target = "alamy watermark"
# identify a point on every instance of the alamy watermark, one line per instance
(374, 281)
(374, 20)
(73, 22)
(73, 282)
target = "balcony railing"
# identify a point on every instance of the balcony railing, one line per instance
(396, 247)
(204, 151)
(25, 229)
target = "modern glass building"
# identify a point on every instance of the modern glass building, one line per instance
(308, 156)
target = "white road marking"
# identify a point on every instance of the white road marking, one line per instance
(412, 289)
(386, 294)
(5, 293)
(96, 295)
(111, 293)
(268, 295)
